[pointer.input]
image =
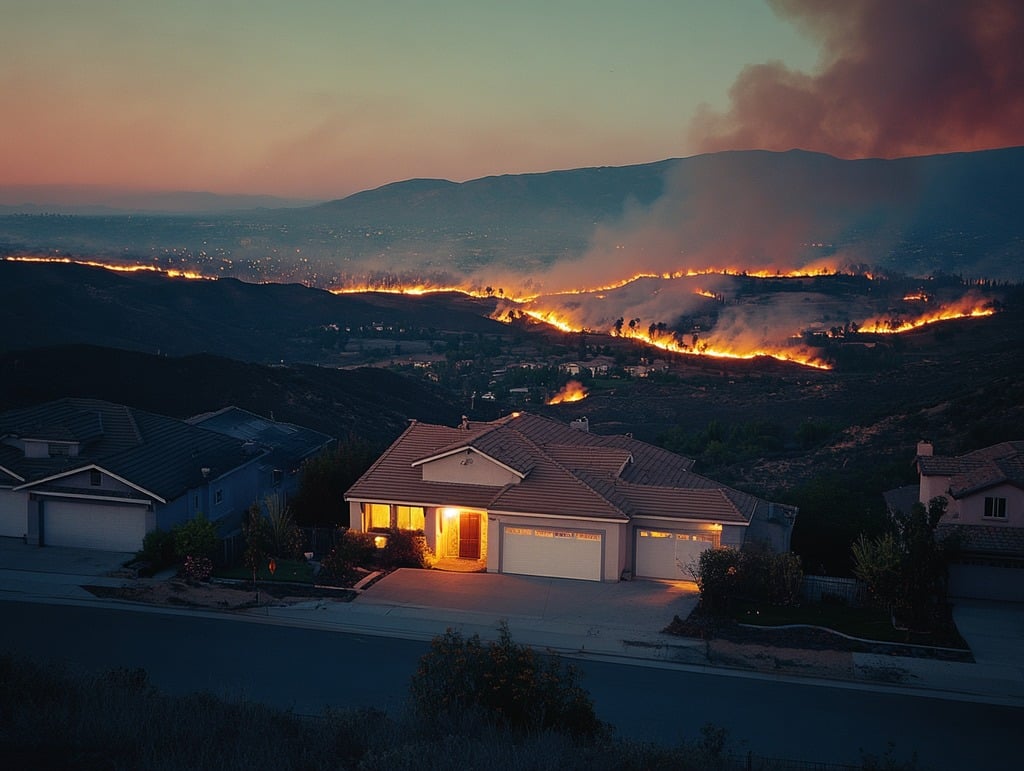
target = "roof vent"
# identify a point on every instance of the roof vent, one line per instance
(581, 424)
(464, 425)
(206, 471)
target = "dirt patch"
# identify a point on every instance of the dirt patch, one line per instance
(218, 596)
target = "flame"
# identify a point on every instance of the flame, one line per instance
(116, 267)
(894, 324)
(573, 391)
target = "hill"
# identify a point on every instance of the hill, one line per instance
(957, 213)
(370, 403)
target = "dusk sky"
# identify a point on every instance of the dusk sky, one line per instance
(322, 98)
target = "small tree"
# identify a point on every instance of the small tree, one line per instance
(254, 530)
(283, 535)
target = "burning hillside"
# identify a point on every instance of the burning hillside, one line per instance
(573, 391)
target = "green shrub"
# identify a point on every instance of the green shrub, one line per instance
(506, 684)
(195, 538)
(354, 549)
(157, 549)
(756, 574)
(404, 549)
(718, 578)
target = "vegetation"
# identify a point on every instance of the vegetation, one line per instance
(506, 684)
(727, 575)
(905, 568)
(325, 478)
(401, 549)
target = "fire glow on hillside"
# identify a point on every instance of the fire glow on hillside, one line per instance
(573, 391)
(114, 266)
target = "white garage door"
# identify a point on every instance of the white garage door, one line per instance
(669, 553)
(541, 551)
(111, 528)
(13, 514)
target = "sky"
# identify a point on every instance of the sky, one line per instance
(318, 99)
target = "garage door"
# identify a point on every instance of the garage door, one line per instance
(541, 551)
(669, 553)
(13, 514)
(111, 528)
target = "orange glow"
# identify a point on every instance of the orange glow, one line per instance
(916, 297)
(117, 268)
(894, 324)
(573, 391)
(705, 293)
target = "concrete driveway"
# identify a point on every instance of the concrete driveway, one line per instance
(15, 554)
(993, 630)
(633, 605)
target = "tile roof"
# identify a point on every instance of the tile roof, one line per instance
(566, 472)
(978, 470)
(161, 455)
(995, 539)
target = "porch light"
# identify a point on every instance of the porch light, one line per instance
(380, 541)
(450, 513)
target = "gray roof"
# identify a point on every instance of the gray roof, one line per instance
(995, 539)
(163, 456)
(285, 445)
(1001, 463)
(565, 472)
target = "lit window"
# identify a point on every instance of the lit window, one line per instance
(410, 517)
(379, 516)
(995, 508)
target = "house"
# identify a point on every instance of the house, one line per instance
(984, 491)
(530, 495)
(99, 475)
(283, 447)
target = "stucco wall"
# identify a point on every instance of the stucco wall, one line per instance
(468, 469)
(972, 508)
(13, 513)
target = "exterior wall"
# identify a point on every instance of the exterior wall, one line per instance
(972, 508)
(934, 486)
(355, 516)
(468, 469)
(83, 480)
(733, 535)
(13, 514)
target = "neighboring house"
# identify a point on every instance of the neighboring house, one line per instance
(282, 447)
(985, 512)
(534, 496)
(92, 474)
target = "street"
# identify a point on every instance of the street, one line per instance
(307, 670)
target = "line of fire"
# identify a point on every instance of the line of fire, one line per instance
(726, 313)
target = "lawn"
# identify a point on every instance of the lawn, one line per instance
(286, 571)
(864, 623)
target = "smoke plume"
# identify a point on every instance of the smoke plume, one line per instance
(910, 77)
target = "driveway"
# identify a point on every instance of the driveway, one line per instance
(633, 605)
(15, 554)
(993, 630)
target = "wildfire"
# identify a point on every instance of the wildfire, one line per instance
(573, 391)
(895, 324)
(116, 267)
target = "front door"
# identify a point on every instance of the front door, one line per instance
(469, 535)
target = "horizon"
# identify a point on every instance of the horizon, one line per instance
(319, 103)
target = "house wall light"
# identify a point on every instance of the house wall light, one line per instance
(380, 541)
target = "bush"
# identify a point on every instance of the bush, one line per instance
(718, 578)
(197, 568)
(195, 538)
(157, 549)
(354, 549)
(756, 573)
(506, 684)
(404, 549)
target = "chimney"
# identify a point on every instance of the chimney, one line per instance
(582, 424)
(924, 448)
(464, 425)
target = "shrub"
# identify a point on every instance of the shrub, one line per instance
(404, 549)
(354, 549)
(718, 578)
(284, 536)
(195, 538)
(508, 685)
(197, 568)
(157, 549)
(756, 574)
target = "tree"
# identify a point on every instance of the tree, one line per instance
(284, 539)
(326, 477)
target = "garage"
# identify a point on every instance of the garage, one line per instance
(669, 553)
(93, 526)
(13, 514)
(545, 551)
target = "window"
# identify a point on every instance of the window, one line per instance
(995, 508)
(218, 497)
(278, 477)
(95, 478)
(378, 516)
(410, 518)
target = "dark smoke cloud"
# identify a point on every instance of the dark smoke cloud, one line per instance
(896, 78)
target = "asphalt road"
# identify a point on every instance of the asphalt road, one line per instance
(307, 670)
